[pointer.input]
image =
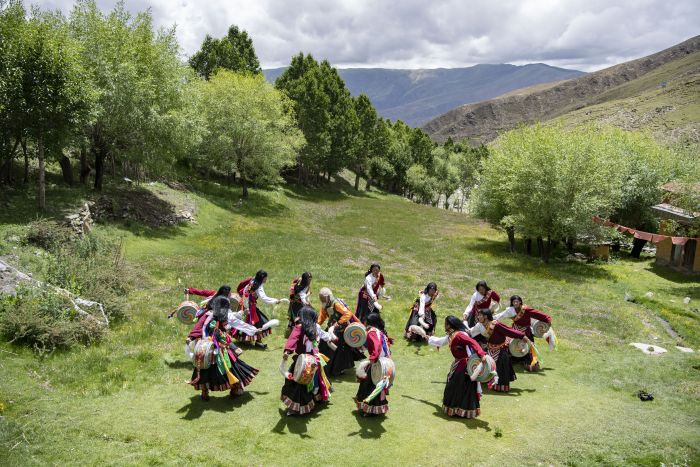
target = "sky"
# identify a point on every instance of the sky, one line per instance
(581, 34)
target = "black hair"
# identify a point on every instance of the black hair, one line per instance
(487, 313)
(258, 279)
(308, 317)
(220, 305)
(376, 321)
(455, 323)
(304, 282)
(372, 266)
(515, 297)
(224, 291)
(482, 284)
(431, 285)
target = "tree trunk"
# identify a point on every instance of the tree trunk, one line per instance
(84, 166)
(637, 245)
(99, 167)
(357, 180)
(511, 238)
(114, 166)
(528, 246)
(570, 244)
(540, 248)
(548, 247)
(244, 183)
(328, 176)
(26, 161)
(299, 174)
(66, 170)
(42, 174)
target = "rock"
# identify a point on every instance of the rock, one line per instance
(649, 349)
(686, 300)
(629, 297)
(684, 349)
(649, 294)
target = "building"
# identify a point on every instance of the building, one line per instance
(680, 253)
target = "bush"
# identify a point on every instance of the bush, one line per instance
(45, 321)
(47, 234)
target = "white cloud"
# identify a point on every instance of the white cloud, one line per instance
(583, 34)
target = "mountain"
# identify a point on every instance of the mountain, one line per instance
(659, 92)
(416, 96)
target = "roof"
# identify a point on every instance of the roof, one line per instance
(669, 211)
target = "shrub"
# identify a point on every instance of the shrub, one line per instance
(45, 321)
(47, 234)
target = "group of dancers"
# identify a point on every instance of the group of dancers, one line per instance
(227, 317)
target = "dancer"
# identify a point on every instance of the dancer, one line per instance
(497, 335)
(227, 370)
(482, 299)
(299, 294)
(377, 345)
(338, 315)
(299, 398)
(421, 323)
(462, 395)
(522, 316)
(372, 289)
(224, 291)
(251, 290)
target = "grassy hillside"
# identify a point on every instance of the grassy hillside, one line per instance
(125, 401)
(416, 96)
(658, 92)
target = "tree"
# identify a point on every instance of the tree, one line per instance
(548, 183)
(140, 83)
(421, 184)
(368, 120)
(247, 128)
(233, 52)
(446, 172)
(54, 92)
(303, 82)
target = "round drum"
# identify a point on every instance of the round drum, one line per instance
(355, 335)
(518, 348)
(187, 311)
(384, 367)
(487, 372)
(539, 328)
(305, 368)
(203, 354)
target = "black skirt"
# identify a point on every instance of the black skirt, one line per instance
(293, 312)
(363, 310)
(461, 397)
(341, 359)
(262, 320)
(295, 396)
(210, 379)
(505, 371)
(378, 405)
(413, 321)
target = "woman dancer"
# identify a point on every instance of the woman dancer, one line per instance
(371, 290)
(338, 315)
(522, 316)
(251, 290)
(462, 396)
(421, 323)
(482, 299)
(227, 371)
(300, 399)
(377, 345)
(496, 335)
(299, 294)
(224, 291)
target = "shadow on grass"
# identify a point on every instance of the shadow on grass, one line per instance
(297, 424)
(258, 203)
(216, 403)
(514, 392)
(337, 190)
(471, 423)
(533, 265)
(678, 277)
(179, 364)
(370, 426)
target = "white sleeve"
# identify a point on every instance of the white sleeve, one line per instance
(470, 307)
(438, 341)
(421, 307)
(263, 296)
(235, 321)
(304, 296)
(368, 287)
(323, 335)
(507, 313)
(476, 330)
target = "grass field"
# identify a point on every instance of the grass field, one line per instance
(125, 401)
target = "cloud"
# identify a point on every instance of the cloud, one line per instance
(582, 34)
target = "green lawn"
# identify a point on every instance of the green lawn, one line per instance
(125, 401)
